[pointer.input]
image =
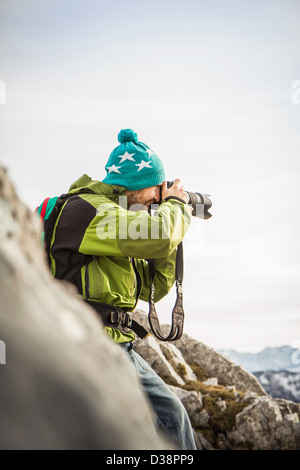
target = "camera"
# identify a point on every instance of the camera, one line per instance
(200, 203)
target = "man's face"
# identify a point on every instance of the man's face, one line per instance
(143, 197)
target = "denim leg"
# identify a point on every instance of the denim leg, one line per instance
(170, 413)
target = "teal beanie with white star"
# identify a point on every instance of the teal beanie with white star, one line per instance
(133, 164)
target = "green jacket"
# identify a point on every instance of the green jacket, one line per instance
(121, 240)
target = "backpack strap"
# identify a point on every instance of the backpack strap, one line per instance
(83, 262)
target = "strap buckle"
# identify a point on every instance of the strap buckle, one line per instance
(179, 288)
(121, 318)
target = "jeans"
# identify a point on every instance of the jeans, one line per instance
(171, 416)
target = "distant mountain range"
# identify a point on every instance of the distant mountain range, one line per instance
(271, 358)
(276, 368)
(281, 384)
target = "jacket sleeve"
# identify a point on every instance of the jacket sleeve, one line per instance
(115, 231)
(164, 276)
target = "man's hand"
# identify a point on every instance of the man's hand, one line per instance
(174, 190)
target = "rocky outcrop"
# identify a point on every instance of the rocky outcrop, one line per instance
(60, 386)
(264, 425)
(227, 406)
(212, 363)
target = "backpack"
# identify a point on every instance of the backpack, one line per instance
(49, 211)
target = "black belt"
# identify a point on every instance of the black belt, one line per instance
(117, 317)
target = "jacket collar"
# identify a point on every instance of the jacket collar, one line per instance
(111, 191)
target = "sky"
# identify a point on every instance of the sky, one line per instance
(214, 89)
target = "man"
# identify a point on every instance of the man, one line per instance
(107, 227)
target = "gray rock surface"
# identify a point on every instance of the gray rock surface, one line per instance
(262, 425)
(156, 359)
(175, 358)
(193, 403)
(214, 364)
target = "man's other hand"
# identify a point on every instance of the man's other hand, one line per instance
(175, 190)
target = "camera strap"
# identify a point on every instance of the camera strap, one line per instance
(177, 312)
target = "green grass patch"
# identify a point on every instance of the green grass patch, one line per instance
(198, 372)
(181, 370)
(247, 445)
(220, 421)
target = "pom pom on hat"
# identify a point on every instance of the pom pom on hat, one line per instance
(127, 135)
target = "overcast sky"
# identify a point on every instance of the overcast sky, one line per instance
(209, 87)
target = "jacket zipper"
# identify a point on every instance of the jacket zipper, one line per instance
(87, 282)
(138, 280)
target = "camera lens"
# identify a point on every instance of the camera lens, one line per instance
(201, 204)
(199, 201)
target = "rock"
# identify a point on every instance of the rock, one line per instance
(222, 442)
(212, 381)
(249, 396)
(293, 418)
(193, 399)
(262, 425)
(65, 384)
(202, 443)
(237, 413)
(193, 403)
(202, 419)
(175, 358)
(149, 349)
(288, 433)
(199, 445)
(287, 407)
(214, 364)
(221, 404)
(233, 390)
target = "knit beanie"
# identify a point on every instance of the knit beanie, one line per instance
(133, 164)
